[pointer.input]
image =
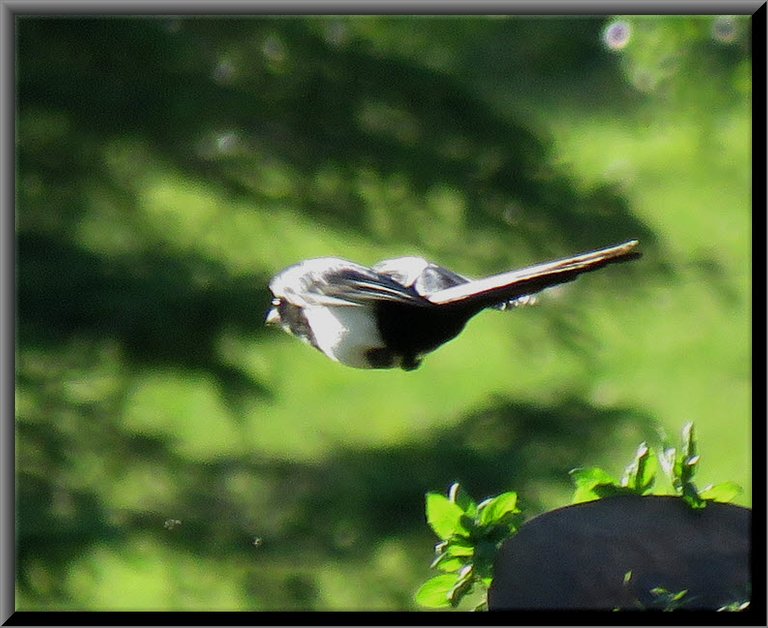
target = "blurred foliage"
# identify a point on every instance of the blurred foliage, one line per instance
(172, 454)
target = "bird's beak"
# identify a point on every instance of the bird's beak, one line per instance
(273, 317)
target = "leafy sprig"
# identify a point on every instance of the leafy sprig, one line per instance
(679, 464)
(470, 534)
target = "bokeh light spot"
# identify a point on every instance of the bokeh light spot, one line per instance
(617, 34)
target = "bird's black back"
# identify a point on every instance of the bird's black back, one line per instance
(411, 330)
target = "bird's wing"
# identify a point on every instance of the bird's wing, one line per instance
(364, 288)
(415, 272)
(508, 286)
(334, 282)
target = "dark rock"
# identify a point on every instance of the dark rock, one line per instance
(577, 557)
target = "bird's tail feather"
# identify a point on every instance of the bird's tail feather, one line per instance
(517, 283)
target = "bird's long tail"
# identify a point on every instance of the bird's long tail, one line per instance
(517, 283)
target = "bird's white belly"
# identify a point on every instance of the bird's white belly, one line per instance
(345, 333)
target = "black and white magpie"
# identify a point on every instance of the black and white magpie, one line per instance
(392, 314)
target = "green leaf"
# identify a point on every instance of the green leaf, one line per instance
(640, 476)
(445, 517)
(667, 600)
(435, 592)
(591, 476)
(462, 499)
(462, 586)
(446, 559)
(735, 607)
(453, 554)
(685, 463)
(610, 490)
(691, 496)
(449, 564)
(458, 546)
(725, 492)
(493, 510)
(667, 459)
(689, 440)
(689, 455)
(587, 479)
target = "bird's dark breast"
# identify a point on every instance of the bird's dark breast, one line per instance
(412, 330)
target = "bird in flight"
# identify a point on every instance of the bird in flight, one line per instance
(392, 314)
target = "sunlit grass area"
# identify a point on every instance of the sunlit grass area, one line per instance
(174, 454)
(682, 326)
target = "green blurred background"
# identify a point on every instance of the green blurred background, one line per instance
(173, 454)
